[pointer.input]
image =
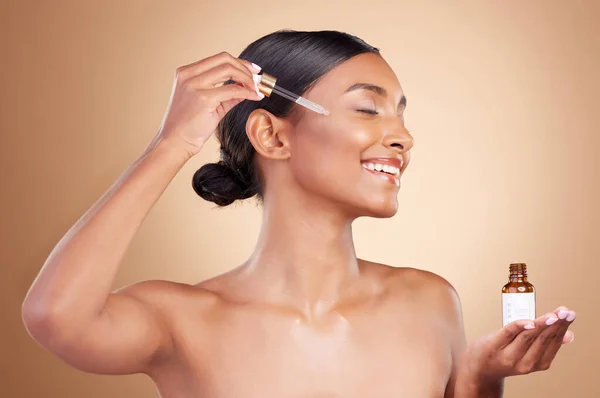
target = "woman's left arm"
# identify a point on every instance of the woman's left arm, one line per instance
(519, 348)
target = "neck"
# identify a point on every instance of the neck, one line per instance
(304, 255)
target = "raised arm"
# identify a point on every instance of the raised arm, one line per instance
(70, 309)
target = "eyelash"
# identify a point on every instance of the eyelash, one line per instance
(369, 111)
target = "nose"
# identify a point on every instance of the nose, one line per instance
(398, 138)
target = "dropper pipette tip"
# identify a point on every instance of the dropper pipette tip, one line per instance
(267, 84)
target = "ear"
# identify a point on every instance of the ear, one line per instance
(269, 135)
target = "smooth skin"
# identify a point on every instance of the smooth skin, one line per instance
(303, 316)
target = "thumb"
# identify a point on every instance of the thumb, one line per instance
(508, 333)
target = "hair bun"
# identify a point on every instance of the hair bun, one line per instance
(218, 183)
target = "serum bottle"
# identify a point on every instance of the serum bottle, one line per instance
(518, 295)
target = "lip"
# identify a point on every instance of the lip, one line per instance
(395, 162)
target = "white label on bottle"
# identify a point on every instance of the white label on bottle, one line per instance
(517, 306)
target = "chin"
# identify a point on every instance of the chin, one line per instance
(382, 208)
(382, 211)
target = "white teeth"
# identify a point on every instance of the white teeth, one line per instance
(382, 167)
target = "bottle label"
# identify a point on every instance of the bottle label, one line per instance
(516, 306)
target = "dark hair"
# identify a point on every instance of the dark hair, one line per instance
(298, 60)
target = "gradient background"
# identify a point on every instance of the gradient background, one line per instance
(503, 104)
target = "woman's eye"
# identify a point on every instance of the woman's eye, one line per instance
(369, 111)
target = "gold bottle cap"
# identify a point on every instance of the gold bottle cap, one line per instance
(267, 84)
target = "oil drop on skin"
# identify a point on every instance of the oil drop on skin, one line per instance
(518, 296)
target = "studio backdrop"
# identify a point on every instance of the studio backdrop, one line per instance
(502, 103)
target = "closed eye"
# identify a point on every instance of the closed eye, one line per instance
(369, 111)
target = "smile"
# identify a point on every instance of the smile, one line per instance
(385, 168)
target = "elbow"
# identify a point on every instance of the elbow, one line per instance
(38, 319)
(45, 323)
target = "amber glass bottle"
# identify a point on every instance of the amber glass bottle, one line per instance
(518, 295)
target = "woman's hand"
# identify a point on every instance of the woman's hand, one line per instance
(199, 99)
(519, 348)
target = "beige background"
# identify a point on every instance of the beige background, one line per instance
(503, 103)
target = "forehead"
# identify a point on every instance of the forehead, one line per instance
(364, 68)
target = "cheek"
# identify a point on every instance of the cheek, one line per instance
(328, 150)
(335, 133)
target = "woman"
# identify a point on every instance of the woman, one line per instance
(303, 316)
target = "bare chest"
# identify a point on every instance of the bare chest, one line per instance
(363, 356)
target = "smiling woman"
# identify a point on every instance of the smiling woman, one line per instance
(330, 66)
(303, 306)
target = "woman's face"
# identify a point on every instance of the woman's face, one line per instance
(356, 155)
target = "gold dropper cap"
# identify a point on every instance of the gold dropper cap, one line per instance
(267, 84)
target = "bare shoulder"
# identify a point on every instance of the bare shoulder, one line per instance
(428, 287)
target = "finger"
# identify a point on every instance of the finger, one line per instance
(199, 67)
(508, 333)
(551, 345)
(251, 66)
(522, 343)
(533, 328)
(213, 61)
(543, 350)
(568, 338)
(228, 105)
(564, 313)
(557, 340)
(229, 92)
(518, 347)
(559, 310)
(567, 314)
(527, 360)
(219, 75)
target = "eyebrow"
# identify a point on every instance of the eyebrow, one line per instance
(374, 88)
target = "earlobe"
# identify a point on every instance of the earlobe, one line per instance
(268, 134)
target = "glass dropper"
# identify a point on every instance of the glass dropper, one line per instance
(267, 85)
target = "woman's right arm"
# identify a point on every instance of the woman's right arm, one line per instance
(70, 309)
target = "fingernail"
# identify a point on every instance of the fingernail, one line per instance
(257, 79)
(571, 317)
(551, 321)
(258, 68)
(530, 326)
(562, 314)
